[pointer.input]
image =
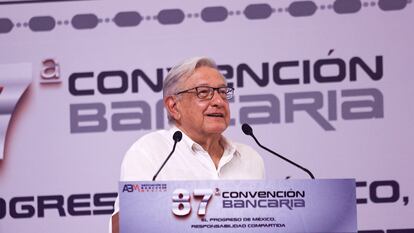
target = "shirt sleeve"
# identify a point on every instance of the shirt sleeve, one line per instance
(137, 165)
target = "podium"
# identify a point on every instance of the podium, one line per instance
(289, 206)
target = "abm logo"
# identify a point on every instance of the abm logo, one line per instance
(144, 188)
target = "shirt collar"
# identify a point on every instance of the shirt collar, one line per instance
(229, 148)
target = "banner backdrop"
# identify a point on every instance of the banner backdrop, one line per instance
(327, 83)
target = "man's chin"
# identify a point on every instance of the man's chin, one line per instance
(217, 129)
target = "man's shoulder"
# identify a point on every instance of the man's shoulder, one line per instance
(250, 160)
(245, 150)
(157, 134)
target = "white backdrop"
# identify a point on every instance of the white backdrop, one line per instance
(54, 177)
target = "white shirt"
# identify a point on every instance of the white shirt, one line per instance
(189, 161)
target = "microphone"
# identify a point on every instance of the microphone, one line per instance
(176, 137)
(249, 131)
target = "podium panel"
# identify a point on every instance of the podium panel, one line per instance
(289, 206)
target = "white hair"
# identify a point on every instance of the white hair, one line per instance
(180, 72)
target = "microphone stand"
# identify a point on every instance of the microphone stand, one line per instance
(249, 131)
(176, 137)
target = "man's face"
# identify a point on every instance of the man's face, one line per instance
(203, 117)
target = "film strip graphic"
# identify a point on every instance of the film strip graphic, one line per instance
(208, 15)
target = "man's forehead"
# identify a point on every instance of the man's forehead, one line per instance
(206, 77)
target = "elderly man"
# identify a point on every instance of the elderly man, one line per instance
(196, 98)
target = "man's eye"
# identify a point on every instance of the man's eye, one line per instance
(203, 91)
(223, 91)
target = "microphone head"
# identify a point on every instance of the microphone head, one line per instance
(247, 129)
(177, 136)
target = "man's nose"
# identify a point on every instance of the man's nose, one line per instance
(217, 99)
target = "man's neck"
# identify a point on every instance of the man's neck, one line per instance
(213, 144)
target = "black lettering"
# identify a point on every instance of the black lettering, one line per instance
(99, 201)
(72, 84)
(262, 82)
(3, 208)
(113, 90)
(225, 195)
(373, 191)
(410, 230)
(340, 76)
(371, 231)
(361, 184)
(276, 73)
(374, 75)
(28, 211)
(50, 202)
(156, 87)
(306, 71)
(74, 204)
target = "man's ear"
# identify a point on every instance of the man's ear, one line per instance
(170, 104)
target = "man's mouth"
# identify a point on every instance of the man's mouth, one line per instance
(215, 115)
